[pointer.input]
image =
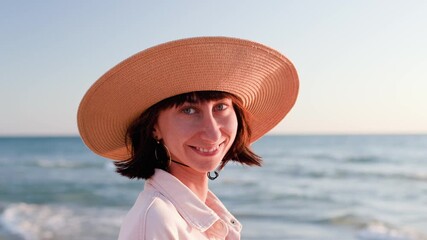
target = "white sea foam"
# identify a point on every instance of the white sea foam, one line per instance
(49, 163)
(381, 231)
(44, 222)
(109, 165)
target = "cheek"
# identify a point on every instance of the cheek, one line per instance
(231, 126)
(174, 130)
(165, 126)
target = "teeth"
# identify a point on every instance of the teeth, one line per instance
(207, 150)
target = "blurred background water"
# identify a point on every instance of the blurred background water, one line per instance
(356, 187)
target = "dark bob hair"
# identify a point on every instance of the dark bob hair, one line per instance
(143, 160)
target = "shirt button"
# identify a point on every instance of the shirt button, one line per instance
(233, 221)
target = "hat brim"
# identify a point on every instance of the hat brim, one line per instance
(261, 77)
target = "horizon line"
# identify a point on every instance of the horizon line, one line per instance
(269, 134)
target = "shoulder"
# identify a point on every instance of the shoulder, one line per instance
(152, 217)
(160, 209)
(162, 220)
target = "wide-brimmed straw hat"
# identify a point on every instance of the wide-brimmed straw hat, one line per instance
(265, 80)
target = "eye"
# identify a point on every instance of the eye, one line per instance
(221, 107)
(189, 110)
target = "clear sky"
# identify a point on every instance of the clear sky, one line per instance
(362, 64)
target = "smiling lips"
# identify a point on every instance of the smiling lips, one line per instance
(207, 151)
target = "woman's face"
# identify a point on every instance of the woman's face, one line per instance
(198, 134)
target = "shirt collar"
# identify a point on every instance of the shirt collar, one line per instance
(189, 206)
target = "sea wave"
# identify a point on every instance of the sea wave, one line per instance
(35, 222)
(373, 229)
(341, 171)
(382, 231)
(65, 163)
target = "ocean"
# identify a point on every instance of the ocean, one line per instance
(355, 187)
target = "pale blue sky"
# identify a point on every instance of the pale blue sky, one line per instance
(362, 64)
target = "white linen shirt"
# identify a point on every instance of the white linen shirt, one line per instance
(167, 209)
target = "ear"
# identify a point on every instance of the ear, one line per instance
(156, 132)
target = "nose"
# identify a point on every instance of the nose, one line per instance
(211, 130)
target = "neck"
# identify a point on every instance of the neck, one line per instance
(197, 182)
(180, 163)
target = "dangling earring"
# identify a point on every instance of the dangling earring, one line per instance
(155, 150)
(216, 174)
(168, 163)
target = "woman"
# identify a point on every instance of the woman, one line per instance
(175, 114)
